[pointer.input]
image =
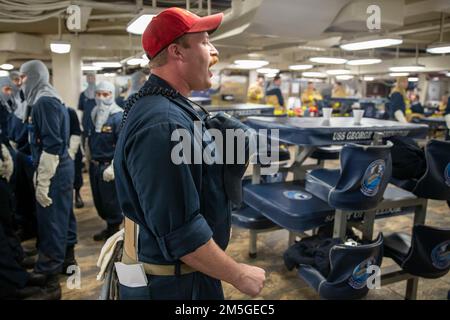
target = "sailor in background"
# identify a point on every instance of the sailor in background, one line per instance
(398, 100)
(103, 134)
(48, 125)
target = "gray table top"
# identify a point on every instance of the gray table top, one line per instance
(315, 131)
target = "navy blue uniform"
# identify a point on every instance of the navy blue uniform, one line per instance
(397, 103)
(102, 145)
(76, 130)
(177, 207)
(49, 132)
(86, 105)
(276, 91)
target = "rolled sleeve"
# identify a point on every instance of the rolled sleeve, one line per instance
(185, 239)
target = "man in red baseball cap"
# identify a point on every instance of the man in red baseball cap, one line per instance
(181, 207)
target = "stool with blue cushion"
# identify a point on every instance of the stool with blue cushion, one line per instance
(348, 271)
(326, 153)
(435, 183)
(361, 181)
(424, 254)
(248, 218)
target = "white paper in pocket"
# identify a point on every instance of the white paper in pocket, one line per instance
(131, 275)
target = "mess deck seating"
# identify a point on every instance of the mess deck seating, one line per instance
(424, 254)
(348, 271)
(326, 153)
(435, 183)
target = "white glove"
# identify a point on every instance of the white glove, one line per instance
(13, 144)
(45, 172)
(7, 164)
(108, 173)
(447, 120)
(107, 252)
(400, 116)
(74, 144)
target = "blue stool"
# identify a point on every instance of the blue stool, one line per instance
(326, 153)
(435, 183)
(424, 254)
(348, 271)
(255, 222)
(361, 181)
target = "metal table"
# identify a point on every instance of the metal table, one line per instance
(242, 110)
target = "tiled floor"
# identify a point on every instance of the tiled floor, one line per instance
(281, 284)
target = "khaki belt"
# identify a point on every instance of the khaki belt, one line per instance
(129, 255)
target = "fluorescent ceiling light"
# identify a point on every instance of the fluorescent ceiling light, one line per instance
(344, 77)
(314, 74)
(447, 74)
(107, 64)
(6, 66)
(328, 60)
(300, 67)
(411, 68)
(439, 48)
(337, 71)
(4, 73)
(371, 43)
(138, 24)
(251, 64)
(136, 61)
(368, 78)
(60, 47)
(271, 75)
(399, 74)
(413, 79)
(112, 74)
(90, 68)
(268, 70)
(363, 62)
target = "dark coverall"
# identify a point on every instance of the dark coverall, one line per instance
(76, 130)
(102, 145)
(49, 132)
(178, 207)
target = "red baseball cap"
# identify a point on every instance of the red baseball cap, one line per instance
(171, 24)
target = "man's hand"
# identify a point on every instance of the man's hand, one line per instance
(250, 280)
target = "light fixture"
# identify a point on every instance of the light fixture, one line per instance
(271, 75)
(314, 74)
(109, 75)
(105, 64)
(328, 60)
(6, 66)
(371, 43)
(90, 68)
(139, 23)
(368, 78)
(409, 68)
(363, 62)
(268, 70)
(413, 79)
(399, 74)
(4, 73)
(136, 61)
(344, 77)
(251, 64)
(447, 74)
(60, 47)
(296, 67)
(337, 71)
(439, 48)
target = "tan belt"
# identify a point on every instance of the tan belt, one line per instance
(129, 255)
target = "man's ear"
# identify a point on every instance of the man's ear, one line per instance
(174, 52)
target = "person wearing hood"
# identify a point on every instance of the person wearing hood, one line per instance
(103, 134)
(137, 80)
(7, 105)
(48, 124)
(18, 129)
(86, 101)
